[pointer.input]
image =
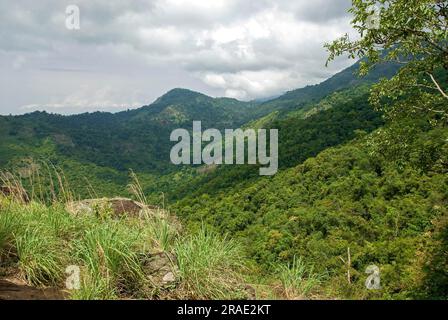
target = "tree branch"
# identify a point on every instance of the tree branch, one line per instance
(438, 86)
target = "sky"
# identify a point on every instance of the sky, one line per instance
(126, 54)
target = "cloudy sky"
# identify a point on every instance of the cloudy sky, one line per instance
(128, 53)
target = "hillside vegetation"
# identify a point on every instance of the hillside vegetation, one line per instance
(101, 147)
(388, 204)
(362, 188)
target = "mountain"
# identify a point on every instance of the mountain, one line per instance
(336, 119)
(183, 106)
(103, 146)
(347, 78)
(136, 139)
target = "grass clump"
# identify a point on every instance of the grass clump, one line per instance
(43, 240)
(297, 278)
(210, 266)
(116, 256)
(111, 259)
(41, 253)
(8, 225)
(41, 257)
(161, 233)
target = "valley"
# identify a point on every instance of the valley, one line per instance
(339, 187)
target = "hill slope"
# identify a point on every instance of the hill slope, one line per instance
(137, 139)
(102, 146)
(387, 204)
(345, 79)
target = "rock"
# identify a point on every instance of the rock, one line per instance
(12, 290)
(251, 292)
(169, 278)
(117, 207)
(17, 193)
(161, 269)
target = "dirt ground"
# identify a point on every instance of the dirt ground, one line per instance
(13, 289)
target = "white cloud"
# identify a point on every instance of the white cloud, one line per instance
(18, 62)
(102, 99)
(249, 84)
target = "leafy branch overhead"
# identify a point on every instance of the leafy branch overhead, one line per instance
(413, 33)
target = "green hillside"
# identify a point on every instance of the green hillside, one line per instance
(347, 78)
(136, 139)
(388, 206)
(102, 147)
(335, 119)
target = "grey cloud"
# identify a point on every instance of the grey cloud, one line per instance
(320, 11)
(247, 49)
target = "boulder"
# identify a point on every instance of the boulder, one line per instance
(10, 289)
(117, 207)
(161, 269)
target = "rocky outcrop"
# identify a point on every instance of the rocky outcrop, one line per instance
(161, 269)
(10, 289)
(116, 207)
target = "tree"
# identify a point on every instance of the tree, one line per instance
(410, 32)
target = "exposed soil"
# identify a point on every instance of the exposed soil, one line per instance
(12, 289)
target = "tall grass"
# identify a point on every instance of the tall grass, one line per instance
(159, 225)
(108, 251)
(41, 238)
(41, 257)
(161, 233)
(111, 253)
(39, 181)
(8, 225)
(297, 278)
(210, 266)
(136, 189)
(30, 235)
(94, 287)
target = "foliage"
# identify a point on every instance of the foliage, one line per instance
(304, 133)
(40, 241)
(349, 178)
(363, 195)
(413, 33)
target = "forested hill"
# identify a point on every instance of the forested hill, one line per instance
(336, 119)
(139, 139)
(386, 203)
(357, 210)
(347, 78)
(347, 179)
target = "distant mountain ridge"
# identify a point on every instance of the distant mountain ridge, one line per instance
(139, 139)
(345, 79)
